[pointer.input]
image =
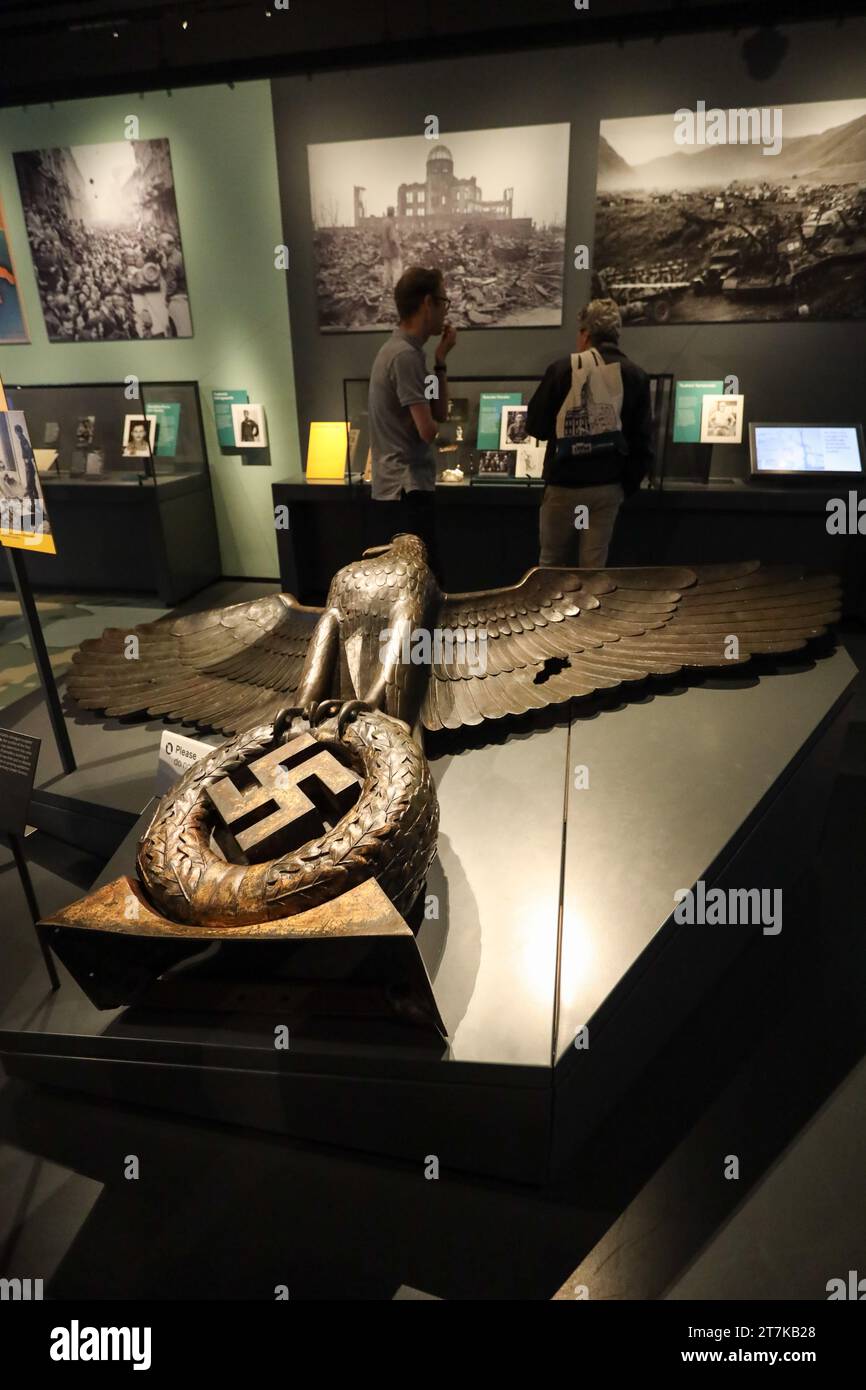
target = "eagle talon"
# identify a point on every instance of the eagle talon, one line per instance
(282, 718)
(349, 711)
(324, 710)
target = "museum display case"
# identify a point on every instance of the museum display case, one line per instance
(472, 440)
(113, 432)
(127, 486)
(484, 436)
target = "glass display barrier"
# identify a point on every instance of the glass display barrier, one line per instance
(484, 438)
(661, 402)
(93, 432)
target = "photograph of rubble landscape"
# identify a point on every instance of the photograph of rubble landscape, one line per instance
(486, 206)
(702, 233)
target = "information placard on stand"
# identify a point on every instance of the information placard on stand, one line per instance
(19, 754)
(24, 525)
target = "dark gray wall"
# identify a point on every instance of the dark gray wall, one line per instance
(788, 371)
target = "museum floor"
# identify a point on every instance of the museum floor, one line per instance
(67, 621)
(223, 1212)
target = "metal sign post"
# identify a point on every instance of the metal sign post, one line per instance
(40, 656)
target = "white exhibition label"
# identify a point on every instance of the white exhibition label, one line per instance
(176, 755)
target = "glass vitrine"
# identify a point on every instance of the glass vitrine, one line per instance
(110, 431)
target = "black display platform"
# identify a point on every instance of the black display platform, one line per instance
(555, 910)
(130, 536)
(488, 534)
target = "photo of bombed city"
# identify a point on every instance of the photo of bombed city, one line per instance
(379, 206)
(702, 231)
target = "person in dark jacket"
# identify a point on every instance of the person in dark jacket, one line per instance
(597, 482)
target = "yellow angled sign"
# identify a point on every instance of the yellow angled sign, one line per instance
(24, 523)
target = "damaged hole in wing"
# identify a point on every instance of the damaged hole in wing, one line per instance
(552, 667)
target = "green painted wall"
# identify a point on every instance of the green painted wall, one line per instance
(222, 150)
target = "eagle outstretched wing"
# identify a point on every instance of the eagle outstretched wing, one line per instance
(562, 633)
(225, 669)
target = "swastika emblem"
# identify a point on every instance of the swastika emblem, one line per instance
(282, 800)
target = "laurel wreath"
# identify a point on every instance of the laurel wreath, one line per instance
(389, 834)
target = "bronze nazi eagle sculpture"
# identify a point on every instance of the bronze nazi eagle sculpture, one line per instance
(329, 705)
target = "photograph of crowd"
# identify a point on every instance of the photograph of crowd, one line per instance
(485, 206)
(105, 239)
(730, 227)
(496, 462)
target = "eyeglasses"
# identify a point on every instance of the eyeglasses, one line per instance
(441, 299)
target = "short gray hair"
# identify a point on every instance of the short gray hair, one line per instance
(601, 319)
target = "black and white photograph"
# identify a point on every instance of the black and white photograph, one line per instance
(512, 426)
(104, 234)
(497, 463)
(23, 517)
(248, 422)
(734, 215)
(487, 207)
(84, 431)
(139, 436)
(722, 419)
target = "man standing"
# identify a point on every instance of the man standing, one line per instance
(594, 410)
(249, 429)
(405, 405)
(392, 255)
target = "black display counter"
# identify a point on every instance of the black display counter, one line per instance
(127, 535)
(489, 532)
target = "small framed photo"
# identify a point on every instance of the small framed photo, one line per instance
(497, 463)
(84, 431)
(530, 459)
(248, 422)
(139, 436)
(722, 419)
(512, 427)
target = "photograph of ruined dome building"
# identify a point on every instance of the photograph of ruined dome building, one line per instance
(708, 232)
(487, 207)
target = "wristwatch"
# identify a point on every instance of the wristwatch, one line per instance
(440, 366)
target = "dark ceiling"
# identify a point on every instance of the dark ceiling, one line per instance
(55, 49)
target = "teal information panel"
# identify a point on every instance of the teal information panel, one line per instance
(687, 408)
(167, 426)
(222, 409)
(489, 414)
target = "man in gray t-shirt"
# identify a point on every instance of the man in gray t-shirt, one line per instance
(404, 411)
